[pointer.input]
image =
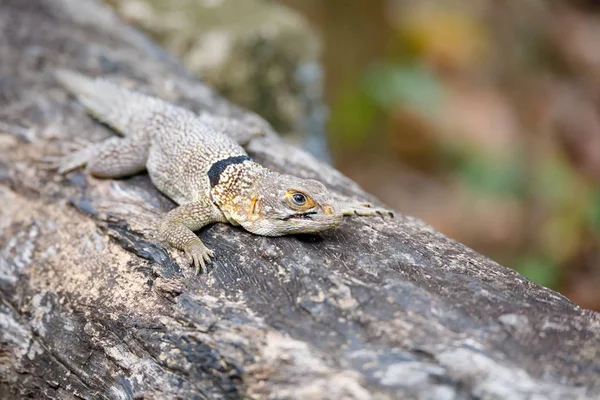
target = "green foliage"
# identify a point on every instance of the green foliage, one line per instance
(412, 86)
(490, 177)
(382, 90)
(555, 180)
(486, 175)
(595, 211)
(352, 118)
(539, 269)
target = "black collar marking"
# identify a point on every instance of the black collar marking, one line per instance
(215, 171)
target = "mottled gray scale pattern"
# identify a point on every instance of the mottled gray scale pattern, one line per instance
(184, 147)
(120, 157)
(178, 148)
(234, 191)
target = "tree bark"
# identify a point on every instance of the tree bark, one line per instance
(93, 306)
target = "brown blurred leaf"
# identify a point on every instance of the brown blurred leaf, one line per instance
(449, 37)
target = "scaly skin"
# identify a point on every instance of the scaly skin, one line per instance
(199, 162)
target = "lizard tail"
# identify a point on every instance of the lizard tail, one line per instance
(121, 109)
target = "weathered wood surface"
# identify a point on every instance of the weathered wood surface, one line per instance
(92, 306)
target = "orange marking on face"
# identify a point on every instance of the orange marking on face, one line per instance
(253, 207)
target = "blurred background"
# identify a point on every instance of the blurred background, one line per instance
(481, 117)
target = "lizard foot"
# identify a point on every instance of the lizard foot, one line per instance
(75, 154)
(199, 255)
(76, 159)
(365, 210)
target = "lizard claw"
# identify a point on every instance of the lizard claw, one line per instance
(74, 145)
(199, 255)
(48, 163)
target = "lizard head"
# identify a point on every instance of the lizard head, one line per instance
(284, 204)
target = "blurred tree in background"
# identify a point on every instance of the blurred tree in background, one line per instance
(480, 117)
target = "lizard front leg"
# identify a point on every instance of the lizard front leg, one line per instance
(363, 210)
(178, 226)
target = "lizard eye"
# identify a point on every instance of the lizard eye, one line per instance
(299, 199)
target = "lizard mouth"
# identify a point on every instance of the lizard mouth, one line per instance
(299, 216)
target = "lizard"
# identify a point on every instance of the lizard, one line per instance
(199, 162)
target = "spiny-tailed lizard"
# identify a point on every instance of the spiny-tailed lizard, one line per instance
(199, 162)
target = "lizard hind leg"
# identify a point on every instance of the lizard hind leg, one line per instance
(113, 158)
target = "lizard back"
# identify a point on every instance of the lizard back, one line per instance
(183, 146)
(186, 147)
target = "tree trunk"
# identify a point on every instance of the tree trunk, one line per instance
(93, 306)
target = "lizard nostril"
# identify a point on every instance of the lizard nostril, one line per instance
(328, 210)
